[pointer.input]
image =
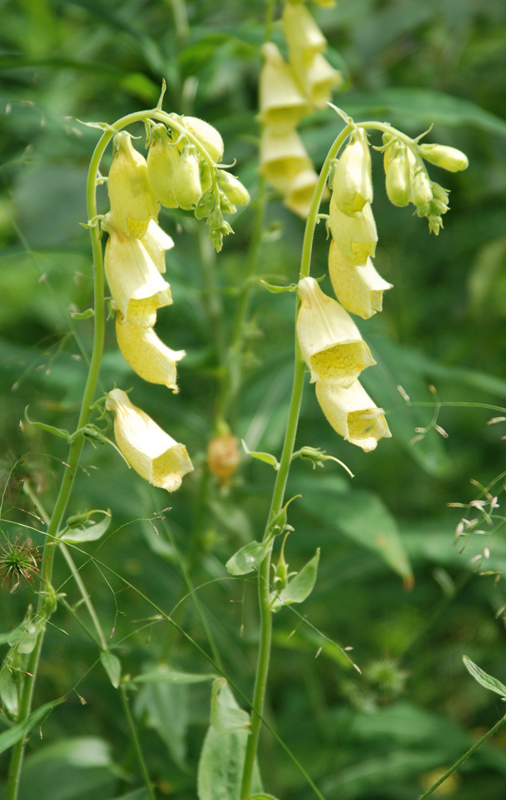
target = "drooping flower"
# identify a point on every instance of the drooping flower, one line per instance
(358, 289)
(133, 203)
(329, 340)
(352, 182)
(155, 455)
(281, 102)
(145, 352)
(282, 157)
(355, 234)
(353, 414)
(136, 285)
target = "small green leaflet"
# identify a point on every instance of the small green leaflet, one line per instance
(299, 587)
(268, 458)
(112, 666)
(10, 737)
(484, 679)
(226, 715)
(248, 558)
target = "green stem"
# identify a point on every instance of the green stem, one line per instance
(279, 489)
(136, 741)
(47, 601)
(463, 758)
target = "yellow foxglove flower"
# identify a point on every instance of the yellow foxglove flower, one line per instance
(162, 163)
(155, 455)
(303, 35)
(281, 102)
(317, 78)
(301, 192)
(208, 136)
(352, 182)
(282, 157)
(156, 242)
(353, 414)
(329, 340)
(136, 285)
(148, 356)
(187, 186)
(441, 155)
(355, 234)
(133, 203)
(358, 289)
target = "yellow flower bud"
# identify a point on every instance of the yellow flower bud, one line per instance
(137, 287)
(302, 33)
(282, 157)
(133, 202)
(353, 414)
(448, 158)
(162, 163)
(187, 186)
(236, 191)
(148, 356)
(317, 78)
(208, 136)
(358, 289)
(156, 242)
(155, 455)
(398, 162)
(355, 234)
(329, 340)
(223, 457)
(281, 102)
(352, 183)
(301, 192)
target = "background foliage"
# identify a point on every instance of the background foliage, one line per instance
(414, 709)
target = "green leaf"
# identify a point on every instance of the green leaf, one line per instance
(268, 458)
(484, 679)
(17, 732)
(300, 586)
(248, 558)
(112, 666)
(166, 675)
(88, 533)
(226, 715)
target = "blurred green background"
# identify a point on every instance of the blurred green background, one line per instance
(414, 709)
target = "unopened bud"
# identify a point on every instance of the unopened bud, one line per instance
(223, 457)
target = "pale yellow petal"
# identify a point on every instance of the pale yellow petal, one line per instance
(358, 289)
(353, 414)
(155, 455)
(329, 340)
(145, 352)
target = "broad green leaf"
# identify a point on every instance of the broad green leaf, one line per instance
(484, 679)
(248, 558)
(300, 586)
(226, 715)
(88, 533)
(268, 458)
(166, 675)
(10, 737)
(112, 666)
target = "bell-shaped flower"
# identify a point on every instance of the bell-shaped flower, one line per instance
(187, 186)
(302, 34)
(441, 155)
(358, 289)
(282, 157)
(301, 192)
(162, 162)
(136, 285)
(155, 455)
(148, 356)
(281, 102)
(208, 136)
(316, 77)
(355, 234)
(156, 242)
(133, 202)
(352, 181)
(329, 340)
(353, 414)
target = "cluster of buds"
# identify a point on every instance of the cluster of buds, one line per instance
(180, 172)
(407, 179)
(329, 340)
(288, 92)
